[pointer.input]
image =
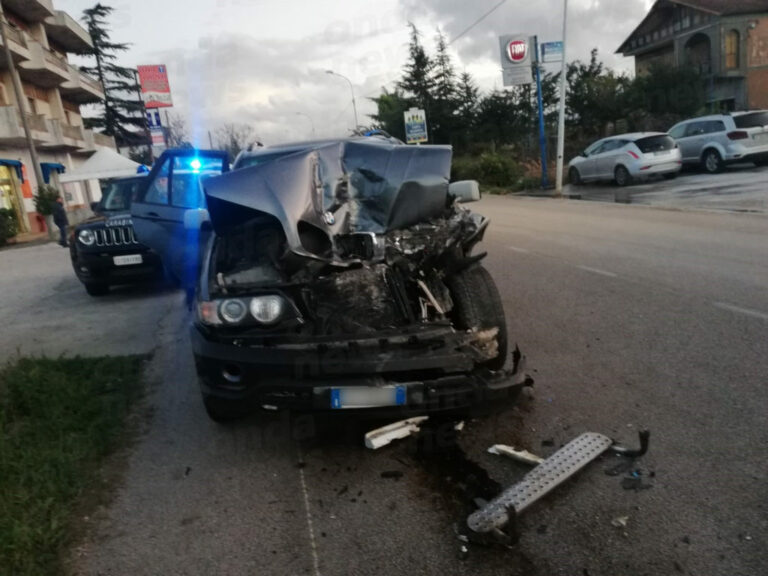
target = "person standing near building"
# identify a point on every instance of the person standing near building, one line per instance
(61, 220)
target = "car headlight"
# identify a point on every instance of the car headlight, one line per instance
(233, 311)
(86, 237)
(267, 309)
(208, 313)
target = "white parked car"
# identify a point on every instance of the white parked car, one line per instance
(626, 158)
(714, 141)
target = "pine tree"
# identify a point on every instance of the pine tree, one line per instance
(417, 81)
(443, 121)
(119, 112)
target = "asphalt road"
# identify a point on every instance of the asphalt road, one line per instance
(739, 188)
(630, 317)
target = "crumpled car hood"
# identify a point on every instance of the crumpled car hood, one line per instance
(338, 188)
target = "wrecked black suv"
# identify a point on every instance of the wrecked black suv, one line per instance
(339, 275)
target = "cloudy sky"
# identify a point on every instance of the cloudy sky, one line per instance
(262, 62)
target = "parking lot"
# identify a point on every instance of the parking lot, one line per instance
(740, 188)
(629, 317)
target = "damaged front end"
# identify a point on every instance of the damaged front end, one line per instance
(342, 276)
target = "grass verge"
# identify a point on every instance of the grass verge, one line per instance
(59, 418)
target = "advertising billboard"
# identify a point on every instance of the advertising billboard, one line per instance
(415, 126)
(155, 89)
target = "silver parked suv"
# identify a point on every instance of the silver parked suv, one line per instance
(714, 141)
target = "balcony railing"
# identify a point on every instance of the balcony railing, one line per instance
(92, 83)
(103, 140)
(15, 35)
(35, 121)
(56, 61)
(73, 132)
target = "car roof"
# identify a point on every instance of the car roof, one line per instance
(634, 136)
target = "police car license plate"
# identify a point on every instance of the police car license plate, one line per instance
(127, 260)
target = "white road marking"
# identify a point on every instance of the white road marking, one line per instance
(740, 310)
(520, 250)
(310, 523)
(597, 271)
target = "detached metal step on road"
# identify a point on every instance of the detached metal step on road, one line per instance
(552, 472)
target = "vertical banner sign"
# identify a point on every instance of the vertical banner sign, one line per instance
(516, 59)
(155, 89)
(415, 126)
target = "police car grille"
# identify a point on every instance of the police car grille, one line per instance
(116, 236)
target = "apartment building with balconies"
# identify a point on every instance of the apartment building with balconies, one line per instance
(40, 39)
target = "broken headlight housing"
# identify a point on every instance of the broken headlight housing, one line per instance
(265, 310)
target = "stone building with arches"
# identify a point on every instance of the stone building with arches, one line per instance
(724, 40)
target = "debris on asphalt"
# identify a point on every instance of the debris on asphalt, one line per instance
(548, 443)
(459, 426)
(620, 522)
(187, 471)
(635, 483)
(392, 474)
(520, 455)
(463, 553)
(301, 465)
(375, 439)
(343, 490)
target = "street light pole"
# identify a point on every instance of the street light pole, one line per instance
(561, 123)
(312, 122)
(20, 101)
(351, 88)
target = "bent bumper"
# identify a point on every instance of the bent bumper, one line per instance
(304, 375)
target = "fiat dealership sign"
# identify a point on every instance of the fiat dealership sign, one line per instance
(516, 59)
(517, 51)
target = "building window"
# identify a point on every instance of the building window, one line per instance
(732, 50)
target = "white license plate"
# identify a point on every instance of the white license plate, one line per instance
(763, 137)
(365, 397)
(127, 260)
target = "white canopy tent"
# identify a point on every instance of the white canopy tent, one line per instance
(105, 163)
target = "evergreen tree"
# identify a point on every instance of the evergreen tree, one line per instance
(119, 111)
(444, 101)
(417, 81)
(467, 101)
(390, 114)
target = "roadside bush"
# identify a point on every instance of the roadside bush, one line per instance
(8, 225)
(45, 199)
(489, 169)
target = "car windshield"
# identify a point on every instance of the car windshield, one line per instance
(752, 120)
(651, 144)
(118, 195)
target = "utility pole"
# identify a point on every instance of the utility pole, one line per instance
(542, 132)
(561, 123)
(21, 102)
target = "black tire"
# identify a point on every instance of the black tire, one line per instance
(477, 306)
(670, 176)
(621, 176)
(574, 177)
(711, 161)
(221, 410)
(96, 289)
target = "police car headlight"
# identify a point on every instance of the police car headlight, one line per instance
(267, 309)
(233, 311)
(86, 237)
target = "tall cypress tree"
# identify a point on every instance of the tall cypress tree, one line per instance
(444, 95)
(119, 111)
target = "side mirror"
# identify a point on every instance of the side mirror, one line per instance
(465, 190)
(95, 206)
(584, 154)
(196, 219)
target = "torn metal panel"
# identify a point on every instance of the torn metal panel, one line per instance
(337, 188)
